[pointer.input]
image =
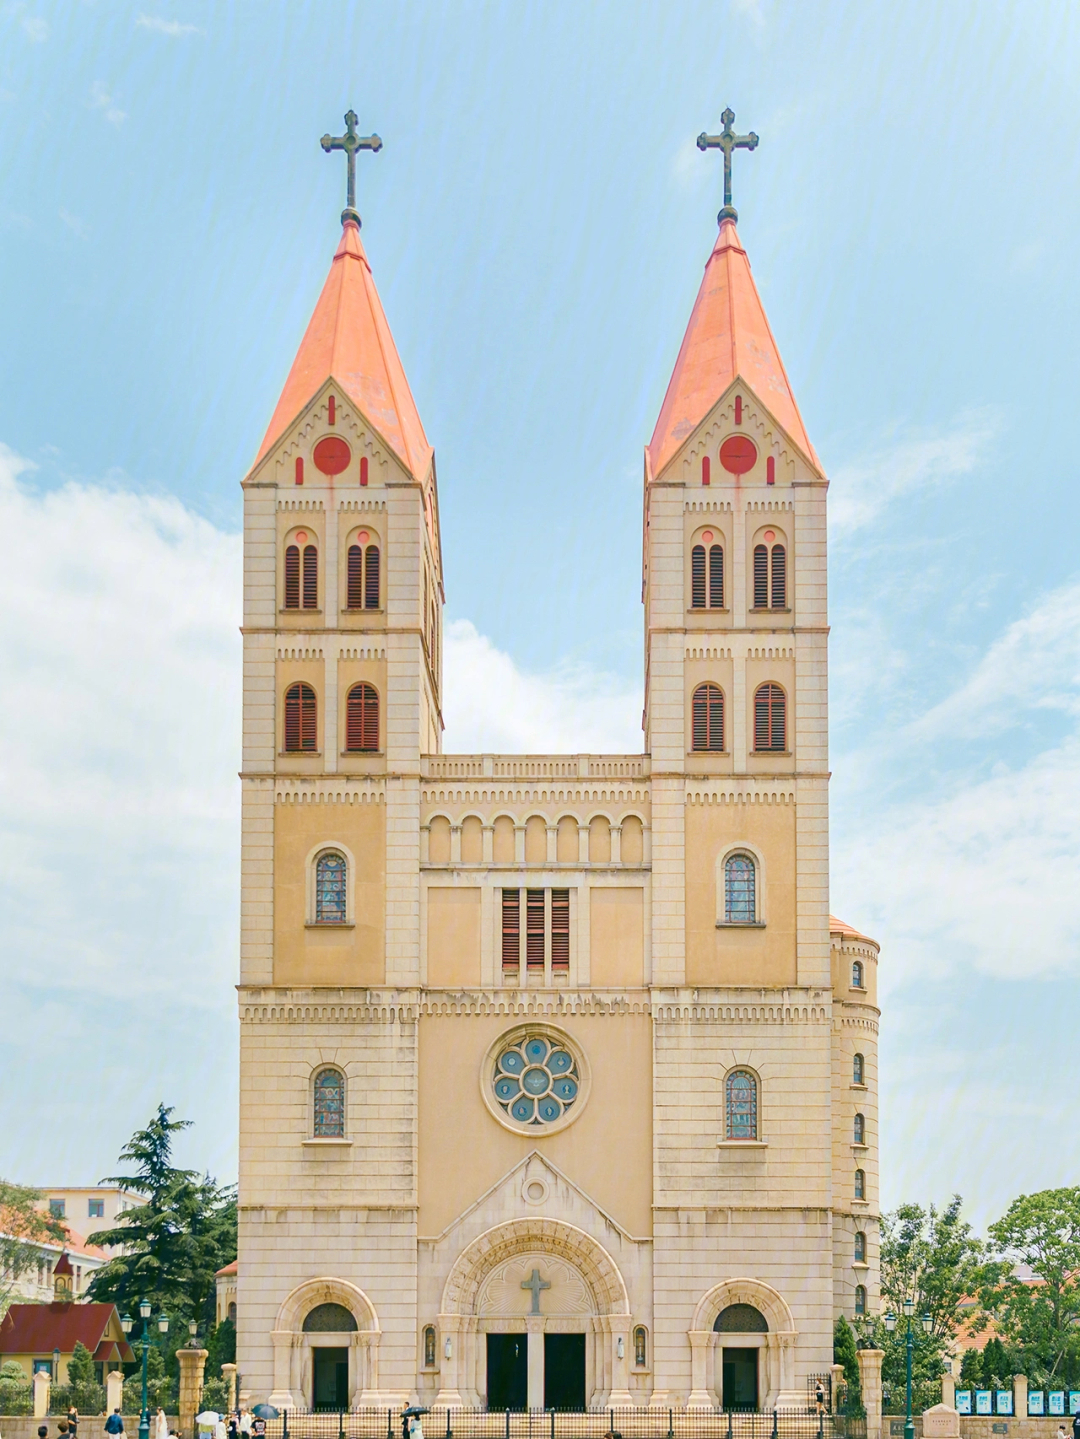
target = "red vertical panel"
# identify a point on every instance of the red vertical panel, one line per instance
(363, 469)
(534, 930)
(511, 929)
(371, 578)
(354, 598)
(738, 409)
(706, 470)
(292, 577)
(299, 470)
(332, 408)
(770, 471)
(560, 930)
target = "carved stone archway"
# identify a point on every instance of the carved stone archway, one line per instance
(777, 1381)
(293, 1347)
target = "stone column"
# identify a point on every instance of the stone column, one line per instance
(534, 1329)
(449, 1333)
(114, 1390)
(948, 1390)
(619, 1338)
(42, 1386)
(281, 1394)
(228, 1373)
(837, 1380)
(192, 1364)
(870, 1376)
(700, 1349)
(1020, 1389)
(370, 1396)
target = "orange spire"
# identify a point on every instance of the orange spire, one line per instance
(728, 336)
(348, 341)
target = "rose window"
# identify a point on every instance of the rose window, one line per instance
(535, 1081)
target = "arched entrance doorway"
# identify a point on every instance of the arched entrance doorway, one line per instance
(537, 1316)
(326, 1348)
(742, 1348)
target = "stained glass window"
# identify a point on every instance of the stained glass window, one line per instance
(860, 1130)
(536, 1081)
(429, 1347)
(639, 1348)
(857, 1070)
(740, 896)
(860, 1248)
(860, 1184)
(742, 1121)
(330, 889)
(329, 1104)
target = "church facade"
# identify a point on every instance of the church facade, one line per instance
(558, 1083)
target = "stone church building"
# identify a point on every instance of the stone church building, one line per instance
(558, 1083)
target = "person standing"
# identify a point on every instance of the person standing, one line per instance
(114, 1424)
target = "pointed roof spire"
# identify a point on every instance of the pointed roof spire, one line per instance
(728, 337)
(348, 341)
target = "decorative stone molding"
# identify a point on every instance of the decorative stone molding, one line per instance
(519, 1236)
(763, 1297)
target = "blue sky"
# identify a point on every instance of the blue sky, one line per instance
(537, 223)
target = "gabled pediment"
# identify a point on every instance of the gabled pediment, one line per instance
(740, 412)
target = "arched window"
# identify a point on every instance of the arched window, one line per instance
(770, 577)
(311, 577)
(858, 1069)
(330, 1319)
(741, 1104)
(429, 1346)
(697, 577)
(716, 577)
(707, 718)
(292, 577)
(712, 592)
(860, 1248)
(232, 1312)
(362, 720)
(363, 577)
(641, 1356)
(769, 720)
(330, 902)
(740, 890)
(860, 1299)
(860, 1184)
(300, 716)
(329, 1104)
(740, 1319)
(860, 1130)
(857, 975)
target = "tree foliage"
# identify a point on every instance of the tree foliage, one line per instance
(24, 1227)
(16, 1391)
(82, 1388)
(845, 1352)
(176, 1240)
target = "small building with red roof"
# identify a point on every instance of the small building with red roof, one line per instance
(32, 1334)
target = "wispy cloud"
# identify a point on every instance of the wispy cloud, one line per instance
(860, 491)
(101, 99)
(35, 28)
(173, 28)
(74, 224)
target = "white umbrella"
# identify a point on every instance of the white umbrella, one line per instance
(208, 1416)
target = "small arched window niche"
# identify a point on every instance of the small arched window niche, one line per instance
(858, 976)
(858, 1069)
(301, 573)
(301, 720)
(741, 1319)
(328, 1105)
(860, 1247)
(859, 1131)
(860, 1184)
(641, 1348)
(330, 1319)
(770, 577)
(429, 1346)
(740, 889)
(770, 720)
(741, 1107)
(860, 1299)
(707, 719)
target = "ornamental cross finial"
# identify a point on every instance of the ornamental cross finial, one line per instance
(535, 1283)
(727, 141)
(350, 142)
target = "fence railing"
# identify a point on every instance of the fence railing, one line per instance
(644, 1423)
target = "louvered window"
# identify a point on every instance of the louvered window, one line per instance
(292, 577)
(363, 586)
(770, 577)
(330, 889)
(534, 930)
(769, 720)
(740, 890)
(311, 577)
(371, 578)
(779, 577)
(741, 1105)
(300, 716)
(511, 930)
(716, 577)
(697, 577)
(707, 718)
(354, 597)
(761, 577)
(560, 930)
(362, 720)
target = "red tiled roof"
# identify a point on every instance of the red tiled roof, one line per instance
(229, 1268)
(41, 1328)
(837, 926)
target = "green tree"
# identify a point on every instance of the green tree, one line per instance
(997, 1367)
(176, 1240)
(220, 1347)
(24, 1227)
(162, 1389)
(16, 1394)
(971, 1370)
(82, 1388)
(846, 1353)
(1031, 1288)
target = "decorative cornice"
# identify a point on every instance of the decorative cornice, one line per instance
(698, 1006)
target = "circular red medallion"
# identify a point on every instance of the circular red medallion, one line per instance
(332, 455)
(738, 454)
(301, 537)
(706, 538)
(363, 537)
(769, 536)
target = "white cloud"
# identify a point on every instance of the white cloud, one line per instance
(74, 224)
(101, 99)
(35, 28)
(492, 705)
(167, 27)
(859, 492)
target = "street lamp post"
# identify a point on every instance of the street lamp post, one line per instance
(127, 1325)
(927, 1322)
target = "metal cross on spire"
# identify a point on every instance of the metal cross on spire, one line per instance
(727, 141)
(350, 142)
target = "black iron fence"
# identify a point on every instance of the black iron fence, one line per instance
(645, 1423)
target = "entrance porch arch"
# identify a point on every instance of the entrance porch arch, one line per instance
(293, 1347)
(776, 1346)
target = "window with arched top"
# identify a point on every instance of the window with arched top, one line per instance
(740, 890)
(740, 1319)
(429, 1346)
(232, 1311)
(329, 1104)
(860, 1299)
(860, 1247)
(741, 1105)
(707, 718)
(858, 1069)
(362, 577)
(857, 975)
(770, 720)
(301, 577)
(362, 720)
(641, 1356)
(707, 577)
(300, 719)
(860, 1184)
(330, 898)
(859, 1129)
(770, 577)
(330, 1319)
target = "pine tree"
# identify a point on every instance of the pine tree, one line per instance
(846, 1353)
(971, 1370)
(84, 1391)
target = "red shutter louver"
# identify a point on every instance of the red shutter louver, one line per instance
(511, 930)
(311, 577)
(761, 577)
(697, 577)
(362, 720)
(534, 930)
(292, 577)
(300, 719)
(708, 718)
(769, 716)
(716, 578)
(371, 578)
(560, 931)
(779, 577)
(355, 592)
